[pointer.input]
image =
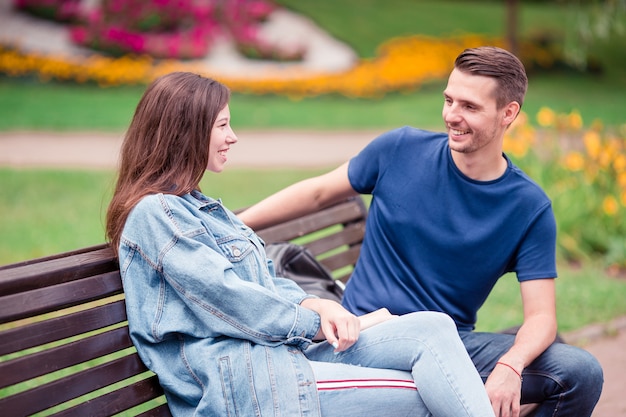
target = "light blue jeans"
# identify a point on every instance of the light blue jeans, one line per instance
(424, 347)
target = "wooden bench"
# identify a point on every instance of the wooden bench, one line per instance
(64, 342)
(65, 349)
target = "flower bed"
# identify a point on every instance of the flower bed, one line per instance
(402, 64)
(583, 171)
(176, 29)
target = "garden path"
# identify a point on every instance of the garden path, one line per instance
(255, 149)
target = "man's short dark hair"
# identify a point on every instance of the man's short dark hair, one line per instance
(497, 63)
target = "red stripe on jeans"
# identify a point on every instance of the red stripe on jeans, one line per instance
(339, 384)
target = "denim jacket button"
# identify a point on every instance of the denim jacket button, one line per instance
(236, 252)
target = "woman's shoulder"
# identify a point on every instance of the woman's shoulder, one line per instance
(165, 207)
(154, 203)
(160, 216)
(164, 202)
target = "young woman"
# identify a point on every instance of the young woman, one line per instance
(225, 336)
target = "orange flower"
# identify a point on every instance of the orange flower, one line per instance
(592, 143)
(610, 205)
(619, 163)
(574, 161)
(515, 146)
(546, 117)
(575, 120)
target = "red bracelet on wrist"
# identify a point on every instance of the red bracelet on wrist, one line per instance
(510, 367)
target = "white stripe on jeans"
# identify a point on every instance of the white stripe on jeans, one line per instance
(339, 384)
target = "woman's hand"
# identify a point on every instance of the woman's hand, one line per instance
(338, 326)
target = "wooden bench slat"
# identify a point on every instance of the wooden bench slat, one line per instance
(341, 213)
(342, 259)
(72, 386)
(351, 234)
(44, 300)
(89, 249)
(60, 357)
(56, 270)
(36, 334)
(119, 400)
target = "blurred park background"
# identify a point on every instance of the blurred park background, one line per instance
(571, 137)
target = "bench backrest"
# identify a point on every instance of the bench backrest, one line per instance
(64, 342)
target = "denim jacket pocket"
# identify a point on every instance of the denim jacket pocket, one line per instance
(228, 390)
(234, 248)
(245, 259)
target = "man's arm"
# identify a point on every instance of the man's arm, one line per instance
(537, 332)
(306, 196)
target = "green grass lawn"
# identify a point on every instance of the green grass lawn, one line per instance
(26, 105)
(365, 24)
(585, 295)
(49, 211)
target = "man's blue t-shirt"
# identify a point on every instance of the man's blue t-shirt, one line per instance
(436, 239)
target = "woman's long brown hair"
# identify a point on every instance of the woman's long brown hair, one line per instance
(166, 147)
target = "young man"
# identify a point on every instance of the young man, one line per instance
(450, 214)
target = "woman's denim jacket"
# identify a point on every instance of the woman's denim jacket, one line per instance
(208, 316)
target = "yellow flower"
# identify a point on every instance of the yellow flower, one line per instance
(518, 148)
(546, 117)
(619, 163)
(606, 157)
(592, 143)
(574, 161)
(610, 206)
(575, 120)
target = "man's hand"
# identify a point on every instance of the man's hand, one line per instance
(504, 387)
(338, 326)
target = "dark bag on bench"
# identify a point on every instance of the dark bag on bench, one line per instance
(297, 263)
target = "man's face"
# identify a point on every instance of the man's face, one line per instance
(472, 119)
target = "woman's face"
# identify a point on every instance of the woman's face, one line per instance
(222, 136)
